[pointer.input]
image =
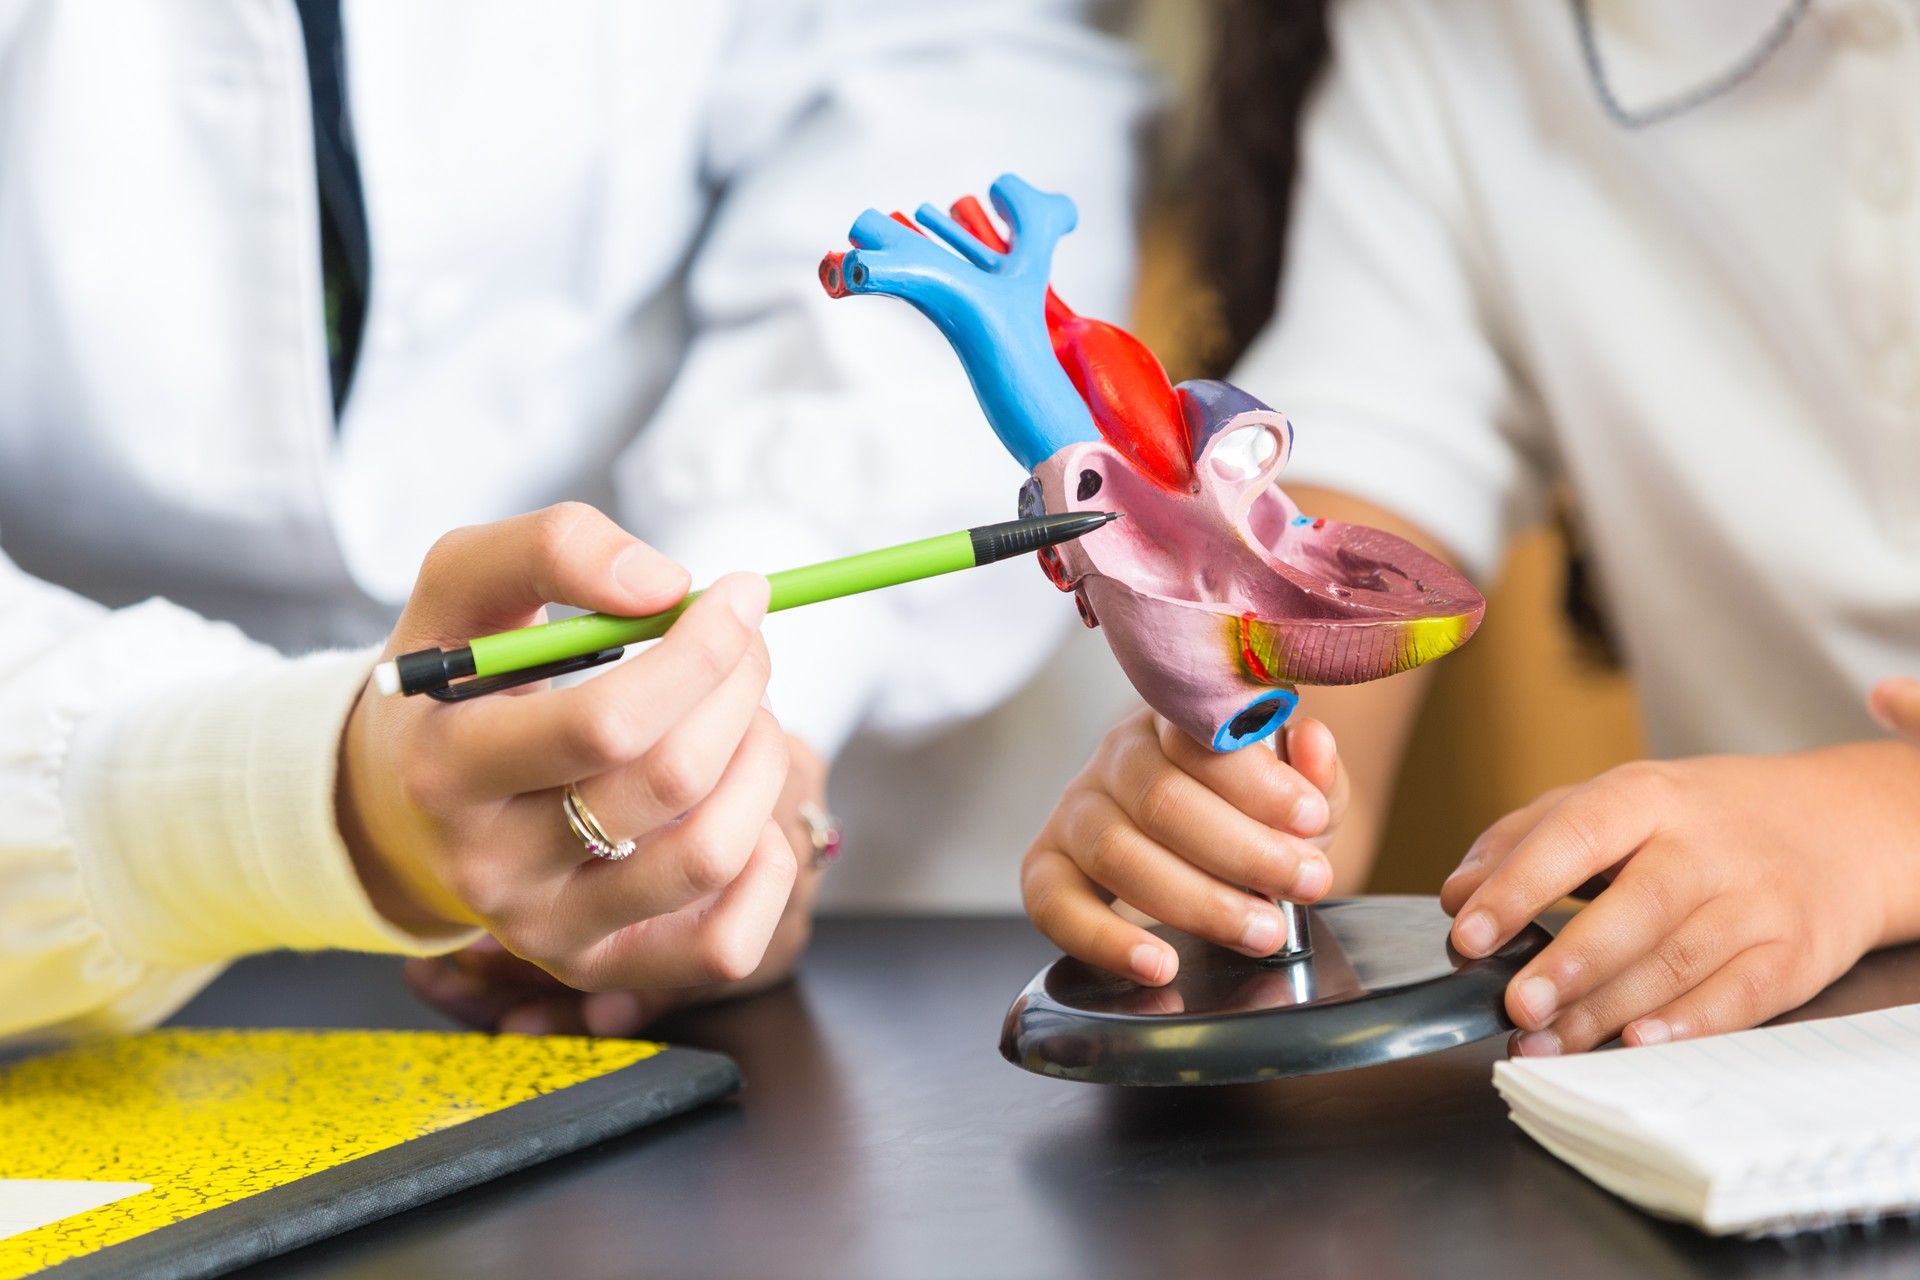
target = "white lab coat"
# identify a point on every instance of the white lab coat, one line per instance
(594, 228)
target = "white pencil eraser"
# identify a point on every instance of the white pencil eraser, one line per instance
(386, 678)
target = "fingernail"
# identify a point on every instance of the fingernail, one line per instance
(1537, 997)
(638, 568)
(1474, 935)
(1146, 961)
(748, 599)
(1312, 879)
(1309, 815)
(1262, 933)
(528, 1022)
(1467, 863)
(613, 1013)
(1651, 1031)
(1537, 1044)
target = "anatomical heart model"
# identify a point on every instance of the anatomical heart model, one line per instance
(1216, 594)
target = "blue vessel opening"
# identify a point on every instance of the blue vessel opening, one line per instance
(1258, 719)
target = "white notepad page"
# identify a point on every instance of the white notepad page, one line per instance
(28, 1203)
(1763, 1132)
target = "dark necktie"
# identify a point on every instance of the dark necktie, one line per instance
(344, 256)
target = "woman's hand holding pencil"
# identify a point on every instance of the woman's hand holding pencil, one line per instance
(514, 812)
(454, 812)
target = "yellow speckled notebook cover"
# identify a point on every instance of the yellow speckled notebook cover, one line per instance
(257, 1142)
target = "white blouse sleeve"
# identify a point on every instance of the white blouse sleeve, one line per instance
(1387, 349)
(166, 805)
(803, 427)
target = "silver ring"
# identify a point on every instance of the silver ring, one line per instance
(823, 833)
(587, 827)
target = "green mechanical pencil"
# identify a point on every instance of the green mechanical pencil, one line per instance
(574, 644)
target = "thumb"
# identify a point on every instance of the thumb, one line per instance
(1895, 703)
(1309, 747)
(495, 577)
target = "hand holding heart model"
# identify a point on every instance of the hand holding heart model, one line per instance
(1215, 593)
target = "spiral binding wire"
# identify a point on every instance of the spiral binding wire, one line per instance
(1836, 1172)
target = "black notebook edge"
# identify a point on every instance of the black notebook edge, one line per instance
(415, 1172)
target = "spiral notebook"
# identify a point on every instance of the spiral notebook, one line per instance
(183, 1154)
(1767, 1132)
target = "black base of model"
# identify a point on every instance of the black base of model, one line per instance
(1380, 983)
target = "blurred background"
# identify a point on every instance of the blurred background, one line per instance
(1533, 702)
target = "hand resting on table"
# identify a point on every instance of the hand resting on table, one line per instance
(1738, 887)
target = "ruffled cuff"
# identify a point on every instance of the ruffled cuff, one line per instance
(203, 819)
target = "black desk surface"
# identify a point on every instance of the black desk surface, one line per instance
(881, 1135)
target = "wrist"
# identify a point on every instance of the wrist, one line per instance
(1881, 796)
(205, 815)
(394, 894)
(1900, 893)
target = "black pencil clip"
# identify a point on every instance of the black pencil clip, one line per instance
(484, 685)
